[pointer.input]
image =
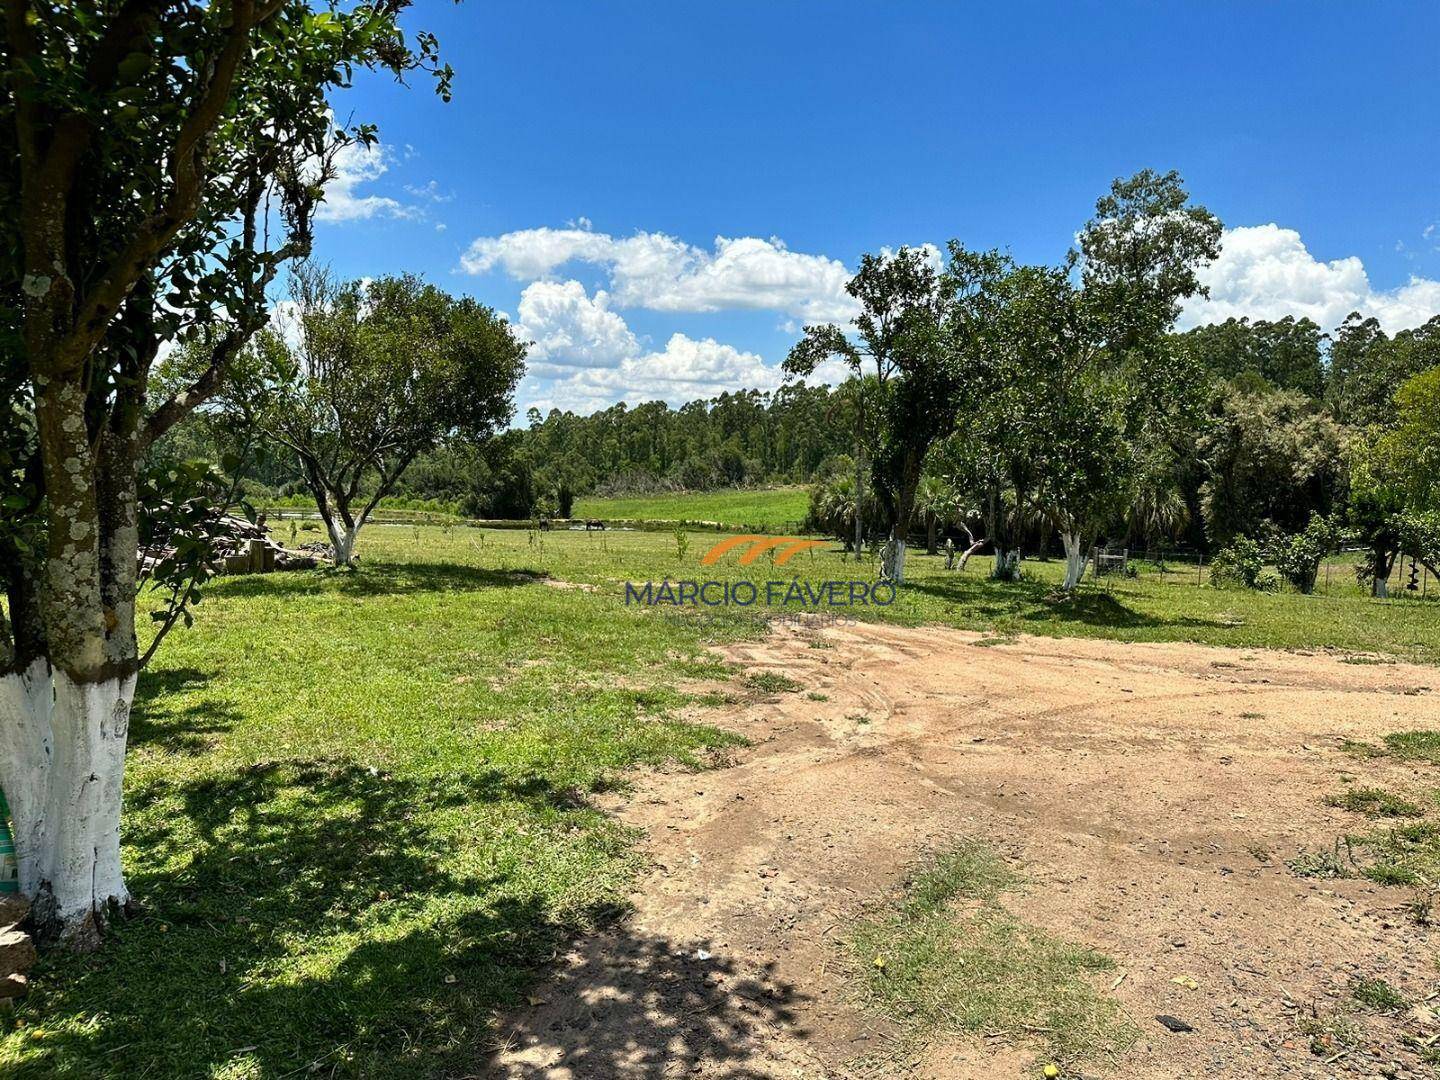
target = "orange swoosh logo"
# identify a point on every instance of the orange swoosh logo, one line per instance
(785, 548)
(718, 552)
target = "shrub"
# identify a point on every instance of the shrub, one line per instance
(1298, 557)
(1237, 566)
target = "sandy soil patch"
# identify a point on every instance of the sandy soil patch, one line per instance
(1138, 786)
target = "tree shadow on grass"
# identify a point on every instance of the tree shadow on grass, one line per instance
(376, 579)
(1106, 609)
(158, 718)
(1040, 603)
(299, 912)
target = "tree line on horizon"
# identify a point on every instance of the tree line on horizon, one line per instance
(1028, 406)
(1284, 406)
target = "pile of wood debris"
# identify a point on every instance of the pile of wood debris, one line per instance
(242, 547)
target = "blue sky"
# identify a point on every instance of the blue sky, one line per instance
(594, 152)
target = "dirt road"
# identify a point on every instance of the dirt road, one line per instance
(1151, 794)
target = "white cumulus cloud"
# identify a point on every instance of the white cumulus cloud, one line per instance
(355, 166)
(585, 357)
(662, 273)
(570, 328)
(1266, 272)
(685, 370)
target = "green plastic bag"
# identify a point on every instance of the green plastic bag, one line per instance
(9, 868)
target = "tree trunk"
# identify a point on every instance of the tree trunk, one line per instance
(342, 540)
(80, 859)
(1007, 559)
(932, 535)
(1382, 563)
(1007, 564)
(26, 749)
(905, 510)
(892, 565)
(971, 550)
(892, 559)
(859, 503)
(334, 509)
(65, 714)
(1075, 560)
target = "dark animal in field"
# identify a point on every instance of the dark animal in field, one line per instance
(594, 523)
(545, 524)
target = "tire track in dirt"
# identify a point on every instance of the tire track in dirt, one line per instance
(1132, 783)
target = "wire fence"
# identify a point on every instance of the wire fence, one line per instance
(1337, 571)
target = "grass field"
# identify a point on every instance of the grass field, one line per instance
(758, 510)
(359, 807)
(1153, 607)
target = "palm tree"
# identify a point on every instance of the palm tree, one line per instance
(936, 502)
(1157, 510)
(832, 505)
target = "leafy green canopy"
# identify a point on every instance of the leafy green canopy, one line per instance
(1077, 386)
(910, 341)
(370, 375)
(1285, 354)
(159, 160)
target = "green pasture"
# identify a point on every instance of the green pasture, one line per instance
(758, 510)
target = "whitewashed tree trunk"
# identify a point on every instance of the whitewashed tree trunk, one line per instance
(90, 724)
(62, 766)
(1381, 566)
(1075, 560)
(342, 540)
(892, 567)
(1007, 564)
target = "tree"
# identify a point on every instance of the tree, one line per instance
(566, 477)
(1286, 353)
(149, 147)
(1394, 487)
(1047, 421)
(1411, 446)
(1075, 373)
(368, 376)
(1375, 512)
(1068, 405)
(1158, 508)
(1141, 254)
(1115, 383)
(900, 307)
(1270, 456)
(511, 491)
(914, 333)
(937, 503)
(1298, 557)
(992, 459)
(1367, 367)
(835, 508)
